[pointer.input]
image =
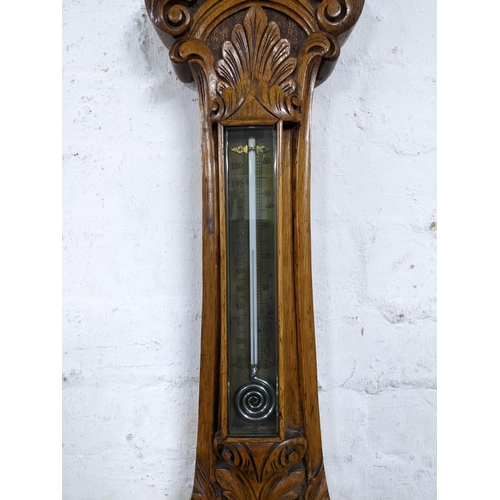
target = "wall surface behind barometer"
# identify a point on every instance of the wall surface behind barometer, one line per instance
(132, 252)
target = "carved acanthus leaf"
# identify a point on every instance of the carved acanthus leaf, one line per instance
(283, 456)
(287, 487)
(233, 486)
(318, 489)
(260, 471)
(256, 62)
(202, 488)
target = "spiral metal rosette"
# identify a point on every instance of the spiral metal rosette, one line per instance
(256, 400)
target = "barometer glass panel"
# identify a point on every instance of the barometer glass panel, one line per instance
(250, 154)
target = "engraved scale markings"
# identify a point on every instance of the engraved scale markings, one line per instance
(251, 251)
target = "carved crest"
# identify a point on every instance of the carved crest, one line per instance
(256, 66)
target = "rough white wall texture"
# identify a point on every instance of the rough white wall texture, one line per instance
(132, 249)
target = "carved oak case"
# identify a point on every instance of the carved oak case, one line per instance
(255, 65)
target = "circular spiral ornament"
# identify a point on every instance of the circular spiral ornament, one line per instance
(256, 400)
(177, 20)
(170, 16)
(334, 15)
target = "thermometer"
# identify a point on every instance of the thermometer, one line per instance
(251, 272)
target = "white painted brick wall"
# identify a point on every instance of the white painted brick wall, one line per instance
(132, 250)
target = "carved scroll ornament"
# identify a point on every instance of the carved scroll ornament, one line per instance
(175, 18)
(256, 64)
(256, 67)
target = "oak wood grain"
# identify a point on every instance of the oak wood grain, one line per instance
(257, 63)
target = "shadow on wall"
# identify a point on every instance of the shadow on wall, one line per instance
(150, 63)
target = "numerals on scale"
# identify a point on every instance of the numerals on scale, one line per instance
(251, 267)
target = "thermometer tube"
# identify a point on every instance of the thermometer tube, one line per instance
(252, 216)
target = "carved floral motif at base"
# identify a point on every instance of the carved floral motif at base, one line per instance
(259, 471)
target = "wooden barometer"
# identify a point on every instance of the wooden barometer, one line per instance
(255, 65)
